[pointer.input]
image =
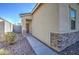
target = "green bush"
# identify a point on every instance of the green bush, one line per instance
(4, 52)
(10, 37)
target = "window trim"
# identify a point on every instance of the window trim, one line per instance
(70, 8)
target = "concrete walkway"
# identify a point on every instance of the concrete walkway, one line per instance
(40, 48)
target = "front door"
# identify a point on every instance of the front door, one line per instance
(27, 27)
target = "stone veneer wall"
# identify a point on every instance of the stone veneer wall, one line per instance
(61, 41)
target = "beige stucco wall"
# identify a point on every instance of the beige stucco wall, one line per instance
(77, 20)
(30, 26)
(8, 27)
(51, 18)
(5, 26)
(11, 27)
(45, 20)
(23, 24)
(64, 21)
(28, 16)
(1, 30)
(26, 19)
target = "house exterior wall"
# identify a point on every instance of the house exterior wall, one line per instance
(24, 29)
(30, 27)
(77, 21)
(7, 26)
(45, 20)
(64, 18)
(64, 21)
(23, 25)
(66, 35)
(1, 31)
(26, 19)
(11, 27)
(51, 25)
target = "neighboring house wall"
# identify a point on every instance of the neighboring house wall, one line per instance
(11, 27)
(8, 27)
(1, 30)
(5, 26)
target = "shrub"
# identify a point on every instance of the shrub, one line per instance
(4, 52)
(10, 37)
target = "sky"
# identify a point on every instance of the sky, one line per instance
(11, 11)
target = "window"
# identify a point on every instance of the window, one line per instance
(72, 15)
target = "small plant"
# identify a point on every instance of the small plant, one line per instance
(4, 52)
(10, 37)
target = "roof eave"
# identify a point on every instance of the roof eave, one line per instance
(23, 14)
(34, 9)
(36, 6)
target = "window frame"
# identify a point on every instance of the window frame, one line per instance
(70, 18)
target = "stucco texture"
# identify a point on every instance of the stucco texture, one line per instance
(1, 30)
(45, 21)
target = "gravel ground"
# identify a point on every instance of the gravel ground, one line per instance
(71, 50)
(21, 47)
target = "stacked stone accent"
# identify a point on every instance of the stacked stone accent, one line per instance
(61, 41)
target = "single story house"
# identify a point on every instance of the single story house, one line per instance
(5, 26)
(55, 24)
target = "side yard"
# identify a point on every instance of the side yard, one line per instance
(21, 47)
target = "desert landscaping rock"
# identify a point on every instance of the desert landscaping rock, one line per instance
(21, 47)
(71, 50)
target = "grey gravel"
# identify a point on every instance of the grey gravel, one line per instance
(71, 50)
(21, 47)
